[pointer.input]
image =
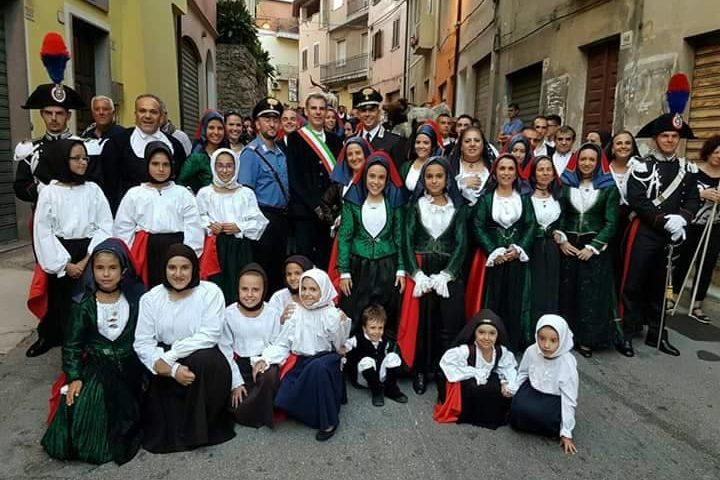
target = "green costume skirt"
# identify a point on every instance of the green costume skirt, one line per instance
(233, 254)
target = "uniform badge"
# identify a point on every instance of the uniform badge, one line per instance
(677, 121)
(367, 92)
(58, 93)
(272, 102)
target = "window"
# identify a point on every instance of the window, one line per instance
(316, 55)
(304, 61)
(395, 34)
(337, 4)
(341, 52)
(377, 45)
(364, 43)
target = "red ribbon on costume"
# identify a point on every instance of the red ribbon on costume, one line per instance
(409, 321)
(632, 233)
(37, 301)
(278, 414)
(332, 270)
(475, 288)
(54, 401)
(450, 409)
(209, 263)
(138, 255)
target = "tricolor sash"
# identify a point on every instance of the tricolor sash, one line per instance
(319, 147)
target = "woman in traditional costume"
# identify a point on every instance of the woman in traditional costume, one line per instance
(179, 327)
(479, 371)
(546, 387)
(99, 417)
(426, 143)
(312, 387)
(370, 260)
(196, 172)
(435, 239)
(545, 255)
(250, 327)
(589, 202)
(154, 215)
(519, 147)
(72, 216)
(504, 227)
(472, 166)
(232, 219)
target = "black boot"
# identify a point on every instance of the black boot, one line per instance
(392, 391)
(419, 383)
(41, 345)
(625, 347)
(665, 345)
(378, 399)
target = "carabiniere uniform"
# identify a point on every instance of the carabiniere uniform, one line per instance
(659, 188)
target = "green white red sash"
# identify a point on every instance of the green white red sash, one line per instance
(319, 147)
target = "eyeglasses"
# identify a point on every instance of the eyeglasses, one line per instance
(80, 158)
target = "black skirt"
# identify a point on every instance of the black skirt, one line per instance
(60, 292)
(373, 282)
(441, 319)
(178, 418)
(157, 247)
(533, 411)
(483, 405)
(544, 279)
(256, 409)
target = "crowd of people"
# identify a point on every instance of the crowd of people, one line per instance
(243, 278)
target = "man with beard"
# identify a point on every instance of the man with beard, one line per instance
(311, 153)
(263, 167)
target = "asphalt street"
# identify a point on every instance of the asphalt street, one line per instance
(649, 417)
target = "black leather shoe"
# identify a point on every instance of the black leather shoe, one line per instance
(40, 346)
(324, 435)
(585, 351)
(419, 383)
(665, 345)
(625, 348)
(378, 399)
(396, 396)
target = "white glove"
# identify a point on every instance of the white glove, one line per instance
(439, 283)
(678, 236)
(423, 284)
(674, 223)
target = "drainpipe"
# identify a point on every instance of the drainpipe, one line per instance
(406, 49)
(456, 60)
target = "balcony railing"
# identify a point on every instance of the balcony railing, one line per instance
(351, 68)
(355, 6)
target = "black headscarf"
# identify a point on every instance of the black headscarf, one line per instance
(182, 250)
(483, 317)
(254, 268)
(151, 149)
(130, 285)
(451, 187)
(304, 262)
(58, 157)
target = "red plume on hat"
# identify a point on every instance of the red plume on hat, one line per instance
(54, 55)
(678, 93)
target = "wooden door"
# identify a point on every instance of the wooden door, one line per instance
(482, 92)
(600, 87)
(525, 89)
(84, 43)
(705, 103)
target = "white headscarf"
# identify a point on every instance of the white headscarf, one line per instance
(565, 335)
(327, 290)
(231, 184)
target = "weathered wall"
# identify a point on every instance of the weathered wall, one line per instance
(386, 73)
(239, 88)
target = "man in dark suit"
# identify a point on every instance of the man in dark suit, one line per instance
(123, 157)
(367, 101)
(311, 153)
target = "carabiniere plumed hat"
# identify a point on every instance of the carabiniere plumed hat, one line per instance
(677, 96)
(367, 97)
(267, 106)
(54, 55)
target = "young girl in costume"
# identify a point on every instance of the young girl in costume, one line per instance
(426, 143)
(179, 327)
(504, 227)
(435, 245)
(370, 259)
(72, 216)
(154, 215)
(250, 326)
(313, 388)
(285, 300)
(196, 172)
(230, 213)
(546, 387)
(589, 203)
(99, 417)
(479, 371)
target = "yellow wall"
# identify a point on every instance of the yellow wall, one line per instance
(143, 52)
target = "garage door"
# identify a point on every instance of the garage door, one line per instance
(525, 88)
(8, 226)
(482, 92)
(705, 103)
(190, 87)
